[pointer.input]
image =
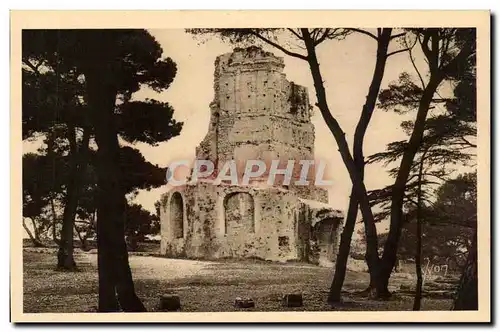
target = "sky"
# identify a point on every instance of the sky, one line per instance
(346, 66)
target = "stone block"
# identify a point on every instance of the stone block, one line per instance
(292, 300)
(244, 302)
(170, 302)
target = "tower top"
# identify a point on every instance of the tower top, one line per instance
(256, 114)
(249, 59)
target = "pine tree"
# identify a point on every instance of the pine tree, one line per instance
(113, 64)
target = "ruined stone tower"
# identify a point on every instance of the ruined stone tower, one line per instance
(256, 114)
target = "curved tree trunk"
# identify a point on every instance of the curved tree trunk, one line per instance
(441, 64)
(338, 134)
(352, 212)
(391, 245)
(36, 242)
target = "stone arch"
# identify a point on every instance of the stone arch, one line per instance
(325, 233)
(177, 215)
(326, 226)
(239, 213)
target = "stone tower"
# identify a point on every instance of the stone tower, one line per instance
(256, 114)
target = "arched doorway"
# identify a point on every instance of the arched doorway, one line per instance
(177, 215)
(325, 233)
(239, 213)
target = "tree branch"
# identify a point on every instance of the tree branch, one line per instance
(398, 51)
(279, 47)
(439, 177)
(464, 53)
(414, 64)
(425, 45)
(315, 33)
(86, 222)
(33, 238)
(468, 142)
(408, 199)
(322, 38)
(364, 32)
(398, 35)
(295, 33)
(32, 66)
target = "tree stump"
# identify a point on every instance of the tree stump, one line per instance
(170, 302)
(292, 300)
(244, 302)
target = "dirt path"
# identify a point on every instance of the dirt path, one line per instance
(151, 267)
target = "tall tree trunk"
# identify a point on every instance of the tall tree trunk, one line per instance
(467, 294)
(125, 289)
(78, 157)
(65, 260)
(418, 249)
(432, 47)
(398, 190)
(344, 249)
(339, 135)
(352, 212)
(116, 287)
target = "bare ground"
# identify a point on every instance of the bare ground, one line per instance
(203, 285)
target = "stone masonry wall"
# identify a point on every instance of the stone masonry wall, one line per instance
(268, 223)
(212, 232)
(258, 114)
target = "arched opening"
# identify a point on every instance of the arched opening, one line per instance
(325, 232)
(177, 215)
(239, 213)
